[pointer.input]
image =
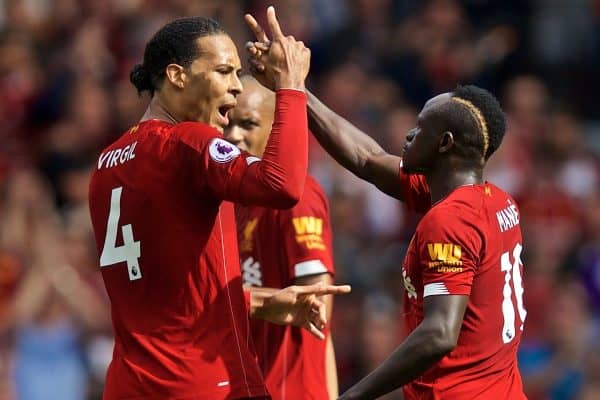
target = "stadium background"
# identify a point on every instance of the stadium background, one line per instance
(65, 93)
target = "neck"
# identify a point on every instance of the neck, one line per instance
(159, 109)
(442, 181)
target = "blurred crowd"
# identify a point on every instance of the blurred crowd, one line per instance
(65, 94)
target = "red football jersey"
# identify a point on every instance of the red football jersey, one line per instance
(277, 246)
(469, 244)
(169, 257)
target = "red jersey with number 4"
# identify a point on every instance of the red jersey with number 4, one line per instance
(468, 244)
(276, 247)
(169, 256)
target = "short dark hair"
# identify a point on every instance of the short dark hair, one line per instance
(174, 43)
(476, 120)
(478, 107)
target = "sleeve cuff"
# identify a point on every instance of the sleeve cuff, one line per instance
(292, 92)
(310, 267)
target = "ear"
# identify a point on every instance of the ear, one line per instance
(176, 75)
(446, 142)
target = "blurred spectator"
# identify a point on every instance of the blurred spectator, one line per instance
(59, 299)
(589, 252)
(553, 368)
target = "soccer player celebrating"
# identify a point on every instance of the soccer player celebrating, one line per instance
(463, 297)
(463, 288)
(166, 234)
(280, 248)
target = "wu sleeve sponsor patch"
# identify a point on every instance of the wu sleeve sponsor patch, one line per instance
(445, 257)
(309, 232)
(448, 252)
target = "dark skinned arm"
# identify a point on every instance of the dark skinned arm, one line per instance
(353, 149)
(434, 338)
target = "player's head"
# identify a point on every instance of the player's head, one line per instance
(465, 126)
(193, 66)
(251, 120)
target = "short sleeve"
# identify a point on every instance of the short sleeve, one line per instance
(449, 246)
(306, 234)
(415, 191)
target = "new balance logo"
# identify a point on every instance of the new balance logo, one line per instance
(251, 274)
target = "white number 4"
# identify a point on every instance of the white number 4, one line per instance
(512, 270)
(130, 250)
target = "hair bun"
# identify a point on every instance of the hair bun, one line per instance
(140, 78)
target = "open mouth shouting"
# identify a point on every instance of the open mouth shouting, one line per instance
(223, 111)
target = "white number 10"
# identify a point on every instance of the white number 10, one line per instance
(512, 270)
(130, 250)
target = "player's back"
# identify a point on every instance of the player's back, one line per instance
(169, 261)
(481, 223)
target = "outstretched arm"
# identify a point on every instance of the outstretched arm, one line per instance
(435, 337)
(349, 146)
(276, 180)
(294, 305)
(354, 149)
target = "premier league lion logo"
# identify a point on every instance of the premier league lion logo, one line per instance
(222, 151)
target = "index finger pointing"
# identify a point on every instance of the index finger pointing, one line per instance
(273, 23)
(259, 32)
(319, 289)
(339, 289)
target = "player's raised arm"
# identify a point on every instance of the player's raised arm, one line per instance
(348, 145)
(285, 160)
(281, 67)
(277, 179)
(354, 149)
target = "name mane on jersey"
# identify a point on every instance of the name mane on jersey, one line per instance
(508, 217)
(116, 157)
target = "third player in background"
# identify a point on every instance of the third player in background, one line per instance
(279, 248)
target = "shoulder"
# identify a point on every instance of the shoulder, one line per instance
(200, 137)
(313, 190)
(448, 225)
(194, 134)
(313, 199)
(312, 204)
(500, 193)
(457, 215)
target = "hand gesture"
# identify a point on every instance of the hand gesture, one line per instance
(299, 306)
(282, 62)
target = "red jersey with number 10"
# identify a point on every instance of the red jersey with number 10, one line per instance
(169, 256)
(468, 244)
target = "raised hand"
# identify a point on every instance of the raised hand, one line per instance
(299, 306)
(282, 62)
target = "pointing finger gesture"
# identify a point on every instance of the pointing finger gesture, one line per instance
(281, 63)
